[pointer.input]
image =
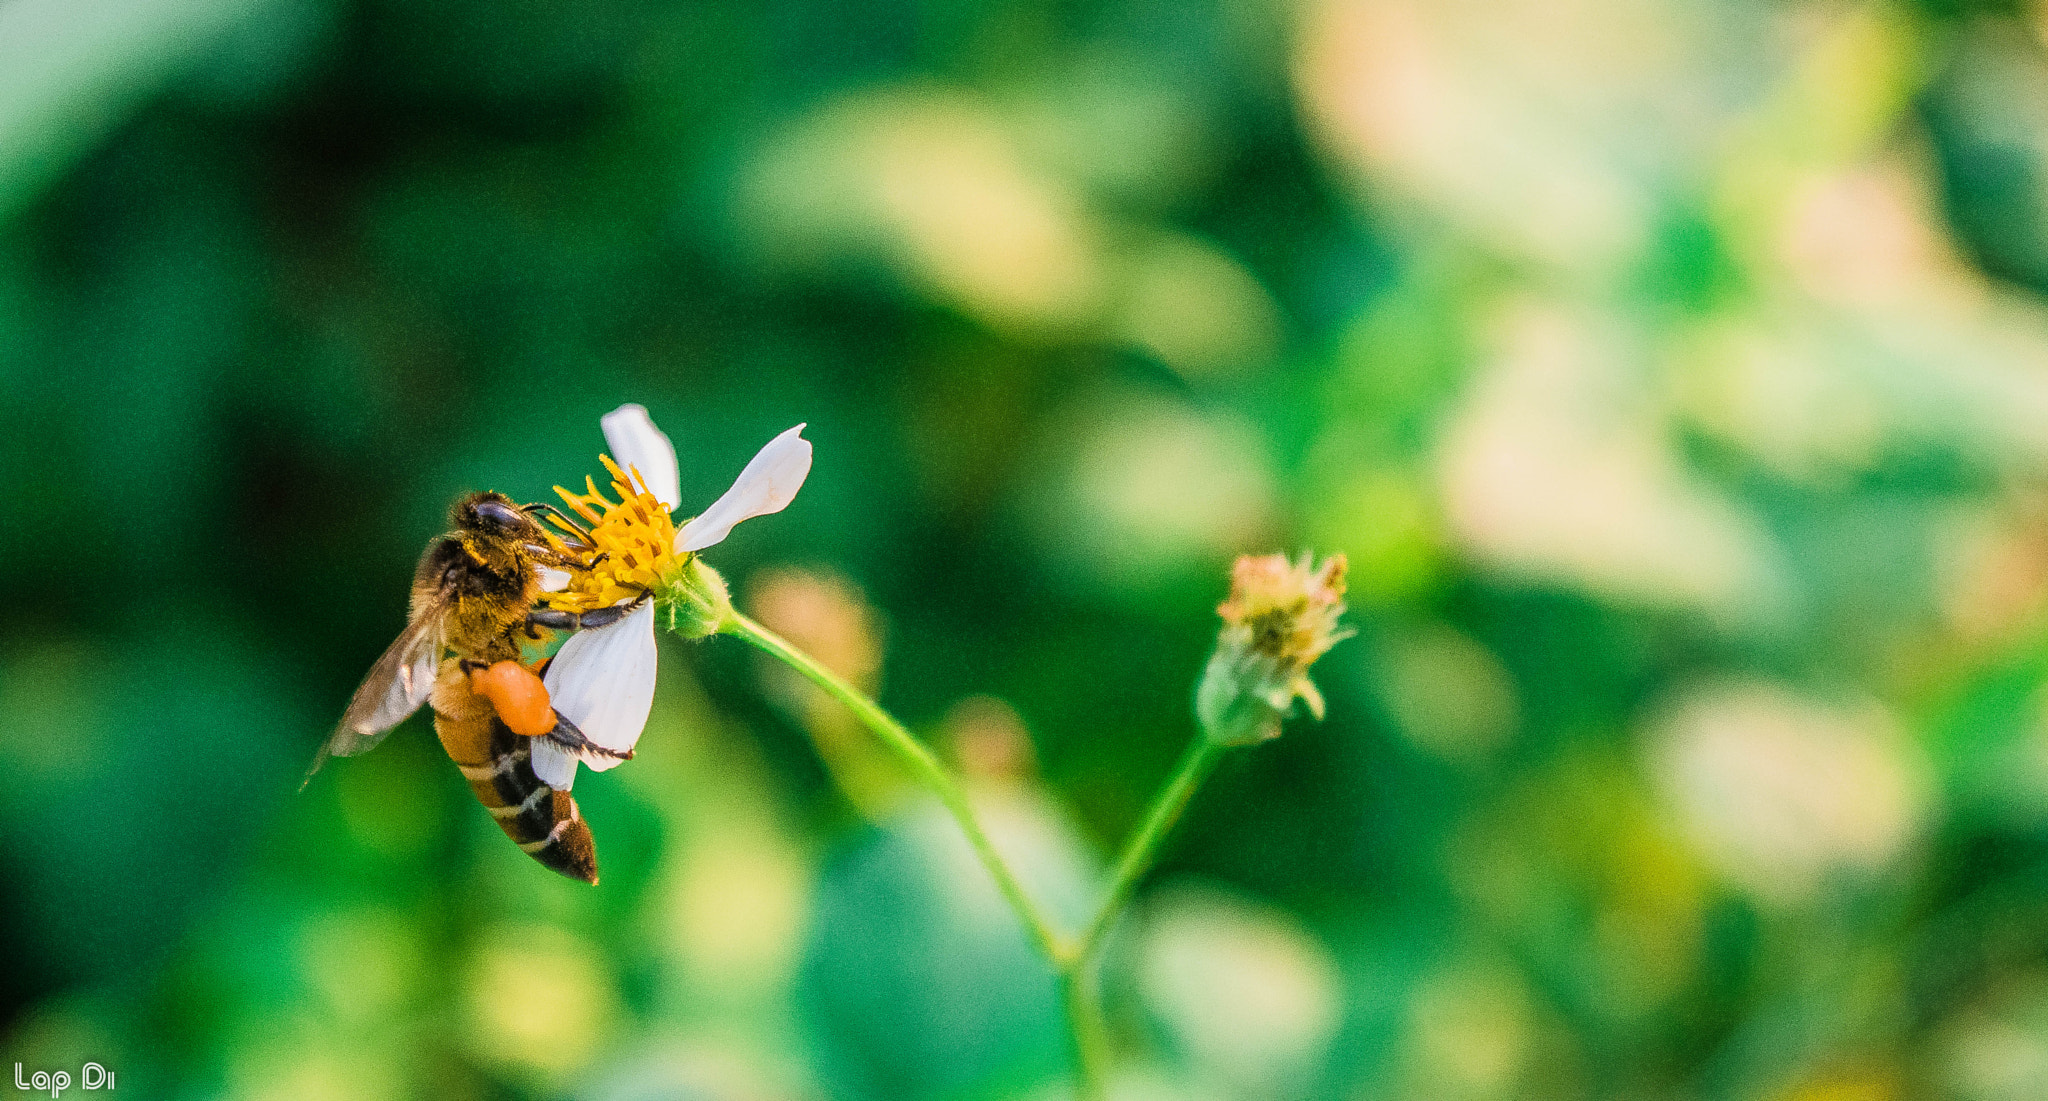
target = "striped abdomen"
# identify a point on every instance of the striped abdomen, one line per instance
(497, 764)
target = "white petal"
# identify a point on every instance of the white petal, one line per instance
(768, 484)
(637, 445)
(553, 580)
(603, 681)
(555, 766)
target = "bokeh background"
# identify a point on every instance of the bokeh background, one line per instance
(1674, 373)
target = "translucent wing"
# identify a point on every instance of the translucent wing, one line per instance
(397, 685)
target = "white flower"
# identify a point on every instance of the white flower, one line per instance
(767, 485)
(639, 446)
(602, 680)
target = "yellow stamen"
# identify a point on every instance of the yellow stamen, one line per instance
(576, 502)
(636, 537)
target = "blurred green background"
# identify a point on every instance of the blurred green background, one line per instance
(1674, 374)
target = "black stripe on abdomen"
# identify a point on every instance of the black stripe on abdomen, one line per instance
(545, 823)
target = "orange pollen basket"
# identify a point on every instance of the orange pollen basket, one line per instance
(517, 695)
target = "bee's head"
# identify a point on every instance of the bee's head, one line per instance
(492, 515)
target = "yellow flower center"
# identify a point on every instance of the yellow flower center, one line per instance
(635, 536)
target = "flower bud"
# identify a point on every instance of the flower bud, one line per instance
(1281, 617)
(694, 600)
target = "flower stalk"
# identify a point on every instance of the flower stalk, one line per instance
(1280, 617)
(919, 761)
(1084, 1031)
(1070, 958)
(1142, 849)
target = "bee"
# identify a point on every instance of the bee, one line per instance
(475, 597)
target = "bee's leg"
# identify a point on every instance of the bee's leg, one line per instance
(568, 737)
(556, 619)
(579, 558)
(562, 518)
(553, 619)
(582, 543)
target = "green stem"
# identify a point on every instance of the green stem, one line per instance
(1070, 960)
(921, 763)
(1143, 847)
(1139, 853)
(1076, 998)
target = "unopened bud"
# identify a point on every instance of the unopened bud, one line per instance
(1281, 617)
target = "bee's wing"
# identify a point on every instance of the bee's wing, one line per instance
(397, 685)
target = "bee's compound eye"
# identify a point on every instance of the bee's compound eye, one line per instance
(502, 516)
(517, 695)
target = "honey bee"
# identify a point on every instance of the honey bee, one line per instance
(475, 596)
